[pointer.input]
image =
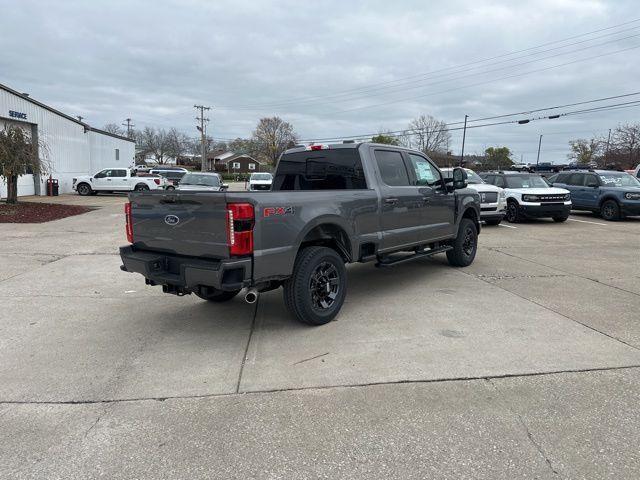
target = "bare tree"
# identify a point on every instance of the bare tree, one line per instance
(585, 151)
(625, 148)
(271, 137)
(19, 155)
(154, 142)
(113, 128)
(427, 134)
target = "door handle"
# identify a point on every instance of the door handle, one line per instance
(390, 200)
(426, 199)
(108, 179)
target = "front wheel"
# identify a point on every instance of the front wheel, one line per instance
(465, 245)
(610, 211)
(84, 189)
(217, 296)
(493, 221)
(560, 218)
(315, 292)
(513, 213)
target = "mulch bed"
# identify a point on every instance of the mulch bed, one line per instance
(37, 212)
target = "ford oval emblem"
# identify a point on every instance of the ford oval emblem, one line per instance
(171, 220)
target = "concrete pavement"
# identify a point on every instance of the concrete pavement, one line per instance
(524, 365)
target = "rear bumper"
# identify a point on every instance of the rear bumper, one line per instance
(540, 211)
(187, 272)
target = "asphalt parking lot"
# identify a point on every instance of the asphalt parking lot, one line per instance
(524, 365)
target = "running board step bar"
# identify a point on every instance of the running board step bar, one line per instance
(389, 262)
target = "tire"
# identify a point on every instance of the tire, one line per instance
(217, 296)
(610, 210)
(84, 189)
(465, 245)
(141, 187)
(170, 188)
(513, 212)
(493, 221)
(560, 219)
(315, 292)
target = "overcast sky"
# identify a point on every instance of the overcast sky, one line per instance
(331, 68)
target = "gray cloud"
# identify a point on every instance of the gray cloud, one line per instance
(153, 60)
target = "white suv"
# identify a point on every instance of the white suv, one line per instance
(530, 196)
(493, 202)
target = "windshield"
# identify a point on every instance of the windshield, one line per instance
(261, 176)
(618, 179)
(525, 181)
(473, 177)
(200, 179)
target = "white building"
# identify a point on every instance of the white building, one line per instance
(72, 147)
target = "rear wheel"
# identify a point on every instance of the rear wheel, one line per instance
(214, 295)
(316, 290)
(513, 212)
(493, 221)
(465, 244)
(610, 210)
(560, 218)
(141, 187)
(84, 189)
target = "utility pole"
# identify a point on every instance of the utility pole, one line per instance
(464, 134)
(203, 134)
(538, 158)
(129, 126)
(606, 152)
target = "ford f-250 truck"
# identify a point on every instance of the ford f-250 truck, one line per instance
(329, 205)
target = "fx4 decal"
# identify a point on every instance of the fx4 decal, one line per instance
(277, 211)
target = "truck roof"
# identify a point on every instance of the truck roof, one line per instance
(345, 144)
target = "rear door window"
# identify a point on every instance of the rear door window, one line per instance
(393, 170)
(576, 179)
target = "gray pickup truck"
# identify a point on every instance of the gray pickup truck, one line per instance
(329, 205)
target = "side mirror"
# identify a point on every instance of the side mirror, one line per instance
(459, 178)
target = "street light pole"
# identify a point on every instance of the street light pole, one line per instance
(538, 158)
(464, 134)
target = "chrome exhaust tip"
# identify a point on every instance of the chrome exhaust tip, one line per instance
(251, 296)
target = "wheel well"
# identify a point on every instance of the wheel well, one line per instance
(142, 184)
(471, 214)
(602, 200)
(83, 183)
(329, 235)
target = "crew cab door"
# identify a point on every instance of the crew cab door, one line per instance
(111, 179)
(438, 206)
(401, 202)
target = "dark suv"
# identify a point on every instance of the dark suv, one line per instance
(611, 194)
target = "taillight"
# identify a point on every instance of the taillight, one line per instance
(240, 220)
(157, 181)
(129, 220)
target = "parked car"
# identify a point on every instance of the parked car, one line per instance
(611, 194)
(530, 196)
(203, 181)
(329, 205)
(493, 200)
(116, 180)
(636, 172)
(172, 174)
(260, 181)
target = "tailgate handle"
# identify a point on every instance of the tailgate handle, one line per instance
(390, 200)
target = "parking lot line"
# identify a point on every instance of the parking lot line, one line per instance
(586, 221)
(508, 226)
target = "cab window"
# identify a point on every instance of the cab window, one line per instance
(425, 173)
(392, 168)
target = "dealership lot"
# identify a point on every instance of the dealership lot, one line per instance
(524, 365)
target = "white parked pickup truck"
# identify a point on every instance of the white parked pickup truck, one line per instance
(117, 180)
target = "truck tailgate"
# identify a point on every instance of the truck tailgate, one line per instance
(191, 224)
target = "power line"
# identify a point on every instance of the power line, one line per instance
(488, 81)
(635, 103)
(345, 92)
